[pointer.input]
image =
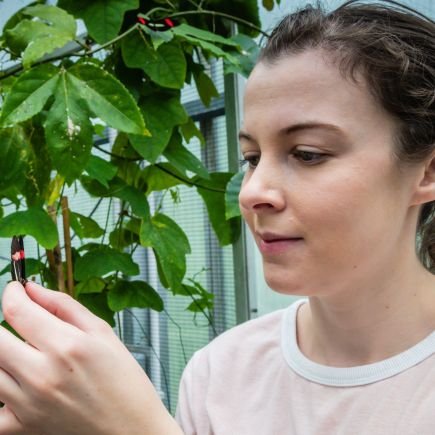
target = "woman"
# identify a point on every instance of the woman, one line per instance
(339, 140)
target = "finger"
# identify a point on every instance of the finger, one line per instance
(64, 307)
(36, 325)
(9, 423)
(16, 356)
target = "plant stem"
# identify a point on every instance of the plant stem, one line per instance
(223, 15)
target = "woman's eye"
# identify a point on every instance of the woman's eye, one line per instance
(308, 157)
(251, 161)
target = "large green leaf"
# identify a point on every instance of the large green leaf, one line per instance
(161, 116)
(34, 222)
(103, 18)
(68, 131)
(138, 294)
(107, 98)
(227, 230)
(247, 57)
(186, 31)
(84, 226)
(29, 94)
(102, 261)
(170, 245)
(14, 152)
(182, 159)
(101, 170)
(232, 208)
(165, 66)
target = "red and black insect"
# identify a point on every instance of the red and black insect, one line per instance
(158, 25)
(18, 266)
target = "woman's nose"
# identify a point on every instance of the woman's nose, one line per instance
(262, 190)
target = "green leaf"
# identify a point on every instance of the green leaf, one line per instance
(165, 66)
(121, 238)
(205, 86)
(37, 179)
(170, 245)
(85, 227)
(14, 152)
(97, 303)
(182, 159)
(68, 131)
(103, 18)
(34, 222)
(107, 98)
(232, 208)
(227, 230)
(99, 262)
(53, 30)
(190, 32)
(101, 170)
(161, 116)
(159, 177)
(206, 40)
(189, 130)
(29, 94)
(126, 294)
(90, 285)
(247, 57)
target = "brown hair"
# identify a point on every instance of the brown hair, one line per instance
(393, 46)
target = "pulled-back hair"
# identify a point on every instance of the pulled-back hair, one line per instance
(393, 47)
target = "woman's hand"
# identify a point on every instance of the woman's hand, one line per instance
(72, 375)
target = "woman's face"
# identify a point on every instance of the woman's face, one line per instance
(322, 194)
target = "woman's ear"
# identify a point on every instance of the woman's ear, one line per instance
(425, 191)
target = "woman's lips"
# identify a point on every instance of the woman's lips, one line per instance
(278, 245)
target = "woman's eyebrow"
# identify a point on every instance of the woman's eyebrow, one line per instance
(300, 126)
(310, 125)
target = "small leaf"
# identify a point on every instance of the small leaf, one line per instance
(161, 116)
(99, 262)
(227, 230)
(161, 177)
(170, 245)
(85, 227)
(91, 285)
(268, 4)
(165, 66)
(34, 222)
(29, 94)
(126, 294)
(232, 208)
(107, 98)
(182, 159)
(205, 86)
(189, 130)
(101, 170)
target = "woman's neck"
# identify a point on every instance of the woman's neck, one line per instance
(369, 323)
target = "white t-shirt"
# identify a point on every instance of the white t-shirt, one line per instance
(254, 380)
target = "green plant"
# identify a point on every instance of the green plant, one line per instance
(126, 74)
